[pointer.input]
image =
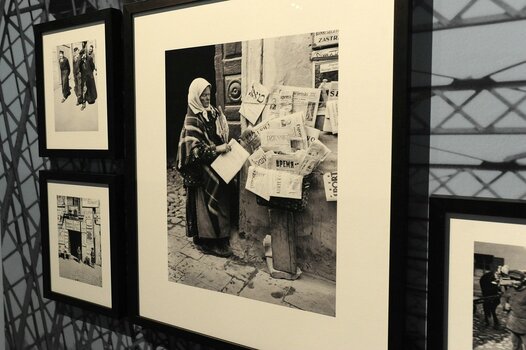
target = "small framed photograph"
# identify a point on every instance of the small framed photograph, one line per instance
(477, 274)
(82, 224)
(79, 85)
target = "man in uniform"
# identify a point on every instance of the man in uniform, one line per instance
(516, 297)
(491, 292)
(87, 66)
(65, 69)
(76, 75)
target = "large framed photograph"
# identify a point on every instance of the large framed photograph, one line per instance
(236, 147)
(82, 241)
(477, 274)
(79, 85)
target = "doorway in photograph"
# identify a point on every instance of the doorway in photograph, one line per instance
(75, 244)
(79, 241)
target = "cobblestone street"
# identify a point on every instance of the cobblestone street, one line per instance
(72, 269)
(488, 338)
(241, 275)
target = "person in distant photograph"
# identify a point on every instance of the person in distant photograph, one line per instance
(65, 69)
(204, 136)
(87, 68)
(516, 297)
(77, 77)
(92, 257)
(91, 54)
(491, 292)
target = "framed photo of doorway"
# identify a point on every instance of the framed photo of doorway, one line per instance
(257, 68)
(81, 232)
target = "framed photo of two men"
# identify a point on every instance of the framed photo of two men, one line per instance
(239, 227)
(79, 85)
(477, 274)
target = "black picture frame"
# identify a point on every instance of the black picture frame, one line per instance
(442, 209)
(117, 243)
(399, 166)
(112, 20)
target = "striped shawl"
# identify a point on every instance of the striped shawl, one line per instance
(196, 139)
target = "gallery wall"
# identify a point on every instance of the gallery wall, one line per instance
(31, 321)
(468, 118)
(467, 138)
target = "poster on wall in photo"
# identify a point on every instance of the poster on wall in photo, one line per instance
(205, 228)
(324, 54)
(325, 73)
(330, 180)
(325, 38)
(78, 85)
(80, 254)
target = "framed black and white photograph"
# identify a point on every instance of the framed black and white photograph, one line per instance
(236, 146)
(477, 274)
(82, 225)
(78, 85)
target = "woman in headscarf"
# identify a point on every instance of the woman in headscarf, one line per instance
(204, 136)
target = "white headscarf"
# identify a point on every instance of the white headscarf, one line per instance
(195, 90)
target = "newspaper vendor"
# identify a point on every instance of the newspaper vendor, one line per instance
(204, 136)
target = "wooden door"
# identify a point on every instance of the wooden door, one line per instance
(228, 82)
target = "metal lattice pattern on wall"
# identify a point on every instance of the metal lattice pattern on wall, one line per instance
(472, 142)
(466, 13)
(476, 124)
(31, 321)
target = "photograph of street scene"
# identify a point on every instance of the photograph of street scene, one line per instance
(75, 86)
(79, 239)
(499, 297)
(252, 156)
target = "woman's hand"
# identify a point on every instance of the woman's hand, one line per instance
(224, 148)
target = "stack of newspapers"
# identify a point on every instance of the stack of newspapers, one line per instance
(285, 150)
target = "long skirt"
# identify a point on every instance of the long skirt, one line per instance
(78, 87)
(91, 90)
(64, 77)
(200, 221)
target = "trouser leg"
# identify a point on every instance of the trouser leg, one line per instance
(516, 342)
(487, 311)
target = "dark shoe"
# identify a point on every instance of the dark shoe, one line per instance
(202, 244)
(223, 251)
(63, 100)
(83, 106)
(213, 248)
